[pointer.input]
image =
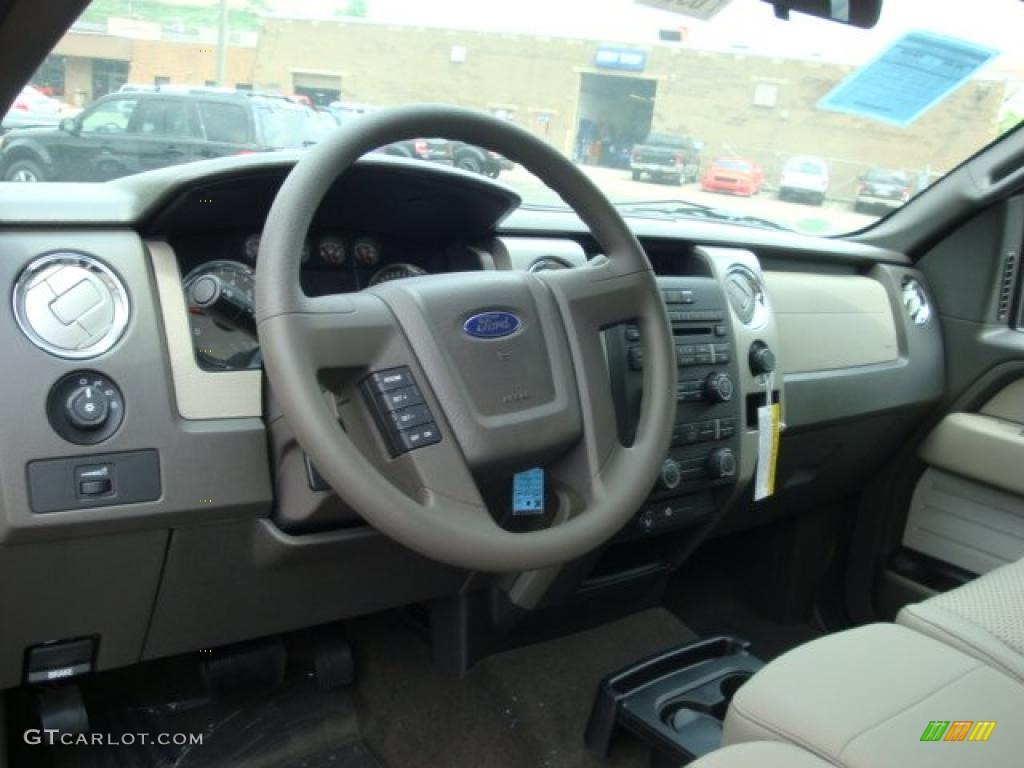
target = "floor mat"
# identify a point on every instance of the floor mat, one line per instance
(525, 708)
(295, 725)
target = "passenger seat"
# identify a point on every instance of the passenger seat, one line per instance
(867, 698)
(983, 618)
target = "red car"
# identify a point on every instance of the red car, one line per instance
(735, 175)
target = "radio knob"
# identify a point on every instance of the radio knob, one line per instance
(671, 475)
(722, 464)
(718, 388)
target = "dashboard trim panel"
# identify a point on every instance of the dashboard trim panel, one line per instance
(199, 394)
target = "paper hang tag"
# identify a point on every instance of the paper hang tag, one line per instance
(769, 424)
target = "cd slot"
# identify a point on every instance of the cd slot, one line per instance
(691, 331)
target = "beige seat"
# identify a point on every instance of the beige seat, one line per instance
(760, 754)
(865, 697)
(984, 618)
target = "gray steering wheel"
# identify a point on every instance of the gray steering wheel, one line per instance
(537, 396)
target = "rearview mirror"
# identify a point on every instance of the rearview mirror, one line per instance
(67, 124)
(856, 13)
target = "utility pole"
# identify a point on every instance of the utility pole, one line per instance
(222, 42)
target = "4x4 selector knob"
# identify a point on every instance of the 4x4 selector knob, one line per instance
(761, 359)
(87, 408)
(671, 475)
(718, 388)
(721, 464)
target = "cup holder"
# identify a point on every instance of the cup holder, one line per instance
(676, 701)
(732, 683)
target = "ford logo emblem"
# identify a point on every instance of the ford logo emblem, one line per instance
(491, 325)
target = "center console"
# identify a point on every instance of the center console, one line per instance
(705, 449)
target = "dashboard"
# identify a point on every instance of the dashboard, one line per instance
(192, 518)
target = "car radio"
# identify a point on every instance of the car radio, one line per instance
(705, 438)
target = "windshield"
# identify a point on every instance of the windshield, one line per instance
(648, 97)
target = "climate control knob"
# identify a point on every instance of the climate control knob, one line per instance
(718, 388)
(671, 475)
(722, 464)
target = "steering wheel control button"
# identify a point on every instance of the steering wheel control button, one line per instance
(402, 416)
(417, 437)
(71, 305)
(395, 378)
(85, 407)
(407, 418)
(401, 398)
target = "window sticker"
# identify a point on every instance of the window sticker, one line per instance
(910, 77)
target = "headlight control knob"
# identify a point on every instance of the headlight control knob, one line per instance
(87, 408)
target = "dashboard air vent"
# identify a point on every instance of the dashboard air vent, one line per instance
(746, 295)
(915, 301)
(1006, 286)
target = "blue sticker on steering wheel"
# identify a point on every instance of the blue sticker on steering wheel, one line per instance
(528, 492)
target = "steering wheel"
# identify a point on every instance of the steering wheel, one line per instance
(538, 394)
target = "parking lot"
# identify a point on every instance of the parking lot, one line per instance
(832, 218)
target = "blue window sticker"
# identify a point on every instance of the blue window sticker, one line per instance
(910, 77)
(528, 492)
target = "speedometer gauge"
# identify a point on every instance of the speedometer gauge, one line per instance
(220, 347)
(396, 272)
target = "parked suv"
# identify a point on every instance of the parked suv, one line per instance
(139, 130)
(666, 157)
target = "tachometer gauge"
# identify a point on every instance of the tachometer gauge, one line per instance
(220, 346)
(366, 252)
(251, 248)
(396, 272)
(332, 250)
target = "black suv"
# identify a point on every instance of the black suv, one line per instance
(138, 130)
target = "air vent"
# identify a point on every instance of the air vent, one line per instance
(71, 305)
(1006, 286)
(746, 295)
(915, 301)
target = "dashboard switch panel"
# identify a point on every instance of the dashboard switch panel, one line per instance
(401, 414)
(57, 485)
